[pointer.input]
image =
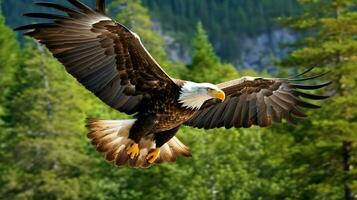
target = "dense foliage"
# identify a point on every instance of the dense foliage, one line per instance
(44, 153)
(8, 57)
(327, 149)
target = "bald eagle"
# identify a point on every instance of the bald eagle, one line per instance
(111, 61)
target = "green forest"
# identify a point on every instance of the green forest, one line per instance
(44, 152)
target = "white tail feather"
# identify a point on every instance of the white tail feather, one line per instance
(112, 138)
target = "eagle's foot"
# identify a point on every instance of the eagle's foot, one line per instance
(153, 155)
(133, 151)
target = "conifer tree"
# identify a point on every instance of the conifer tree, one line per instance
(8, 62)
(328, 153)
(8, 57)
(206, 66)
(44, 133)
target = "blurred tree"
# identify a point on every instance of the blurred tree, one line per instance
(9, 59)
(326, 146)
(206, 66)
(44, 133)
(9, 54)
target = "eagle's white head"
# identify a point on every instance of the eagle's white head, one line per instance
(194, 95)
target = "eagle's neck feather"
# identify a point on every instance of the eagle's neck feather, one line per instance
(193, 95)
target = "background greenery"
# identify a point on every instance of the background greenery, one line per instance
(44, 153)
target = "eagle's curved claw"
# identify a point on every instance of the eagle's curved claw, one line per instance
(133, 151)
(153, 155)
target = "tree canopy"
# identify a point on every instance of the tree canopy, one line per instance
(327, 147)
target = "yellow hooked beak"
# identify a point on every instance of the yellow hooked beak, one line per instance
(219, 94)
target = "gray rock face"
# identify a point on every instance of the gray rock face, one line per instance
(256, 52)
(260, 52)
(175, 50)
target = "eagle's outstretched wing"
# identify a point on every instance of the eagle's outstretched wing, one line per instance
(257, 101)
(103, 55)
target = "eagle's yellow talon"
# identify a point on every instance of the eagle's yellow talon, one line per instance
(133, 151)
(153, 155)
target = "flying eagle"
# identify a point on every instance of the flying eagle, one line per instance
(111, 61)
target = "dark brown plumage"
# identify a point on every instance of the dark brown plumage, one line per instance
(110, 61)
(103, 55)
(257, 101)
